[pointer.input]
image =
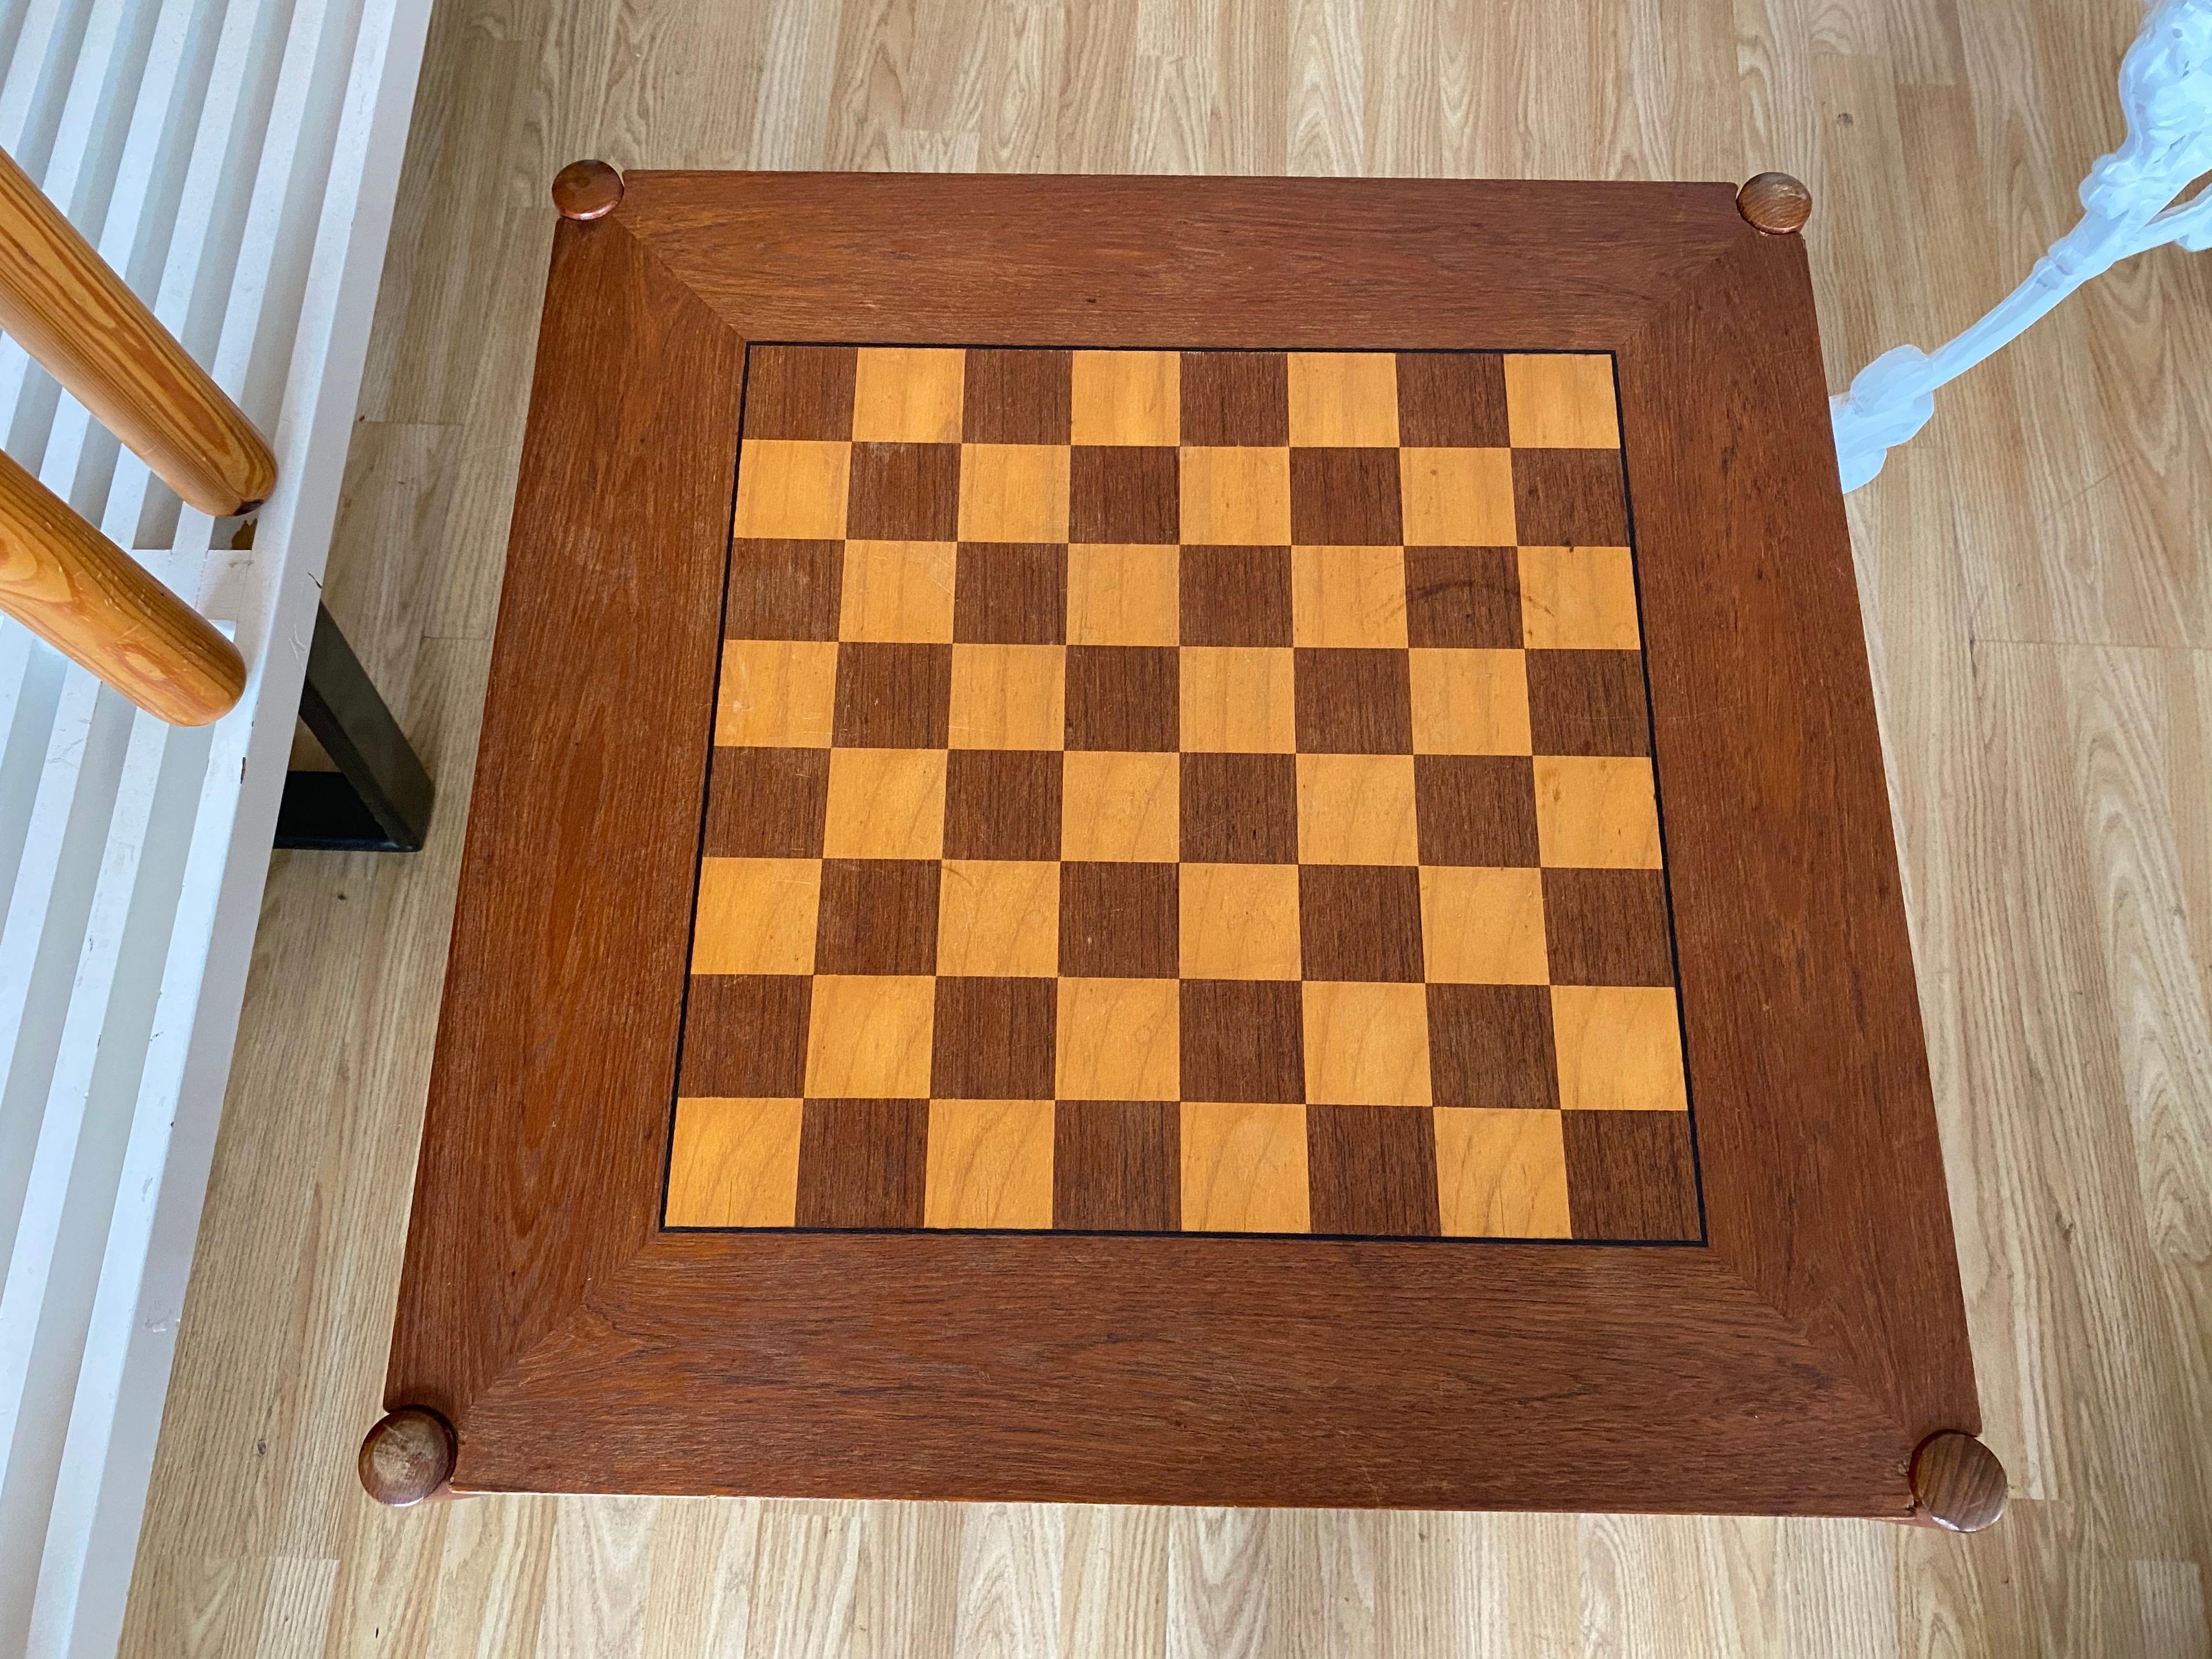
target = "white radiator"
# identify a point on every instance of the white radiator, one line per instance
(235, 160)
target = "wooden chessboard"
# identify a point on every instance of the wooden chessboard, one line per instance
(1204, 791)
(1106, 866)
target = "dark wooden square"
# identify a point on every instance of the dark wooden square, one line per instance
(862, 1162)
(1463, 596)
(1010, 593)
(766, 804)
(1631, 1174)
(800, 391)
(1237, 399)
(892, 695)
(876, 916)
(1118, 921)
(1607, 927)
(1588, 702)
(1490, 1045)
(1123, 493)
(1569, 498)
(1016, 396)
(1240, 809)
(1345, 498)
(1002, 803)
(1123, 696)
(1235, 595)
(903, 493)
(1475, 809)
(993, 1039)
(1353, 701)
(1360, 921)
(1452, 400)
(745, 1036)
(1115, 1166)
(1372, 1170)
(784, 590)
(1242, 1040)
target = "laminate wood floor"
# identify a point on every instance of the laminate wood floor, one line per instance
(2039, 603)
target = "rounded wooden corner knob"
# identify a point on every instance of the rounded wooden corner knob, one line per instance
(586, 190)
(408, 1456)
(1775, 204)
(1957, 1482)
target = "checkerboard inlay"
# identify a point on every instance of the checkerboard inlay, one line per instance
(1182, 792)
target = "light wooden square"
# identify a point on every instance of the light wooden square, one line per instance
(1120, 807)
(1483, 926)
(1348, 596)
(1501, 1173)
(885, 804)
(790, 488)
(1456, 497)
(734, 1164)
(1470, 701)
(989, 1164)
(1341, 399)
(776, 694)
(1245, 1168)
(896, 591)
(1578, 599)
(1014, 492)
(1127, 398)
(1235, 497)
(1366, 1045)
(1561, 401)
(1239, 699)
(869, 1036)
(1122, 595)
(1008, 697)
(1357, 809)
(1239, 921)
(756, 915)
(909, 395)
(1596, 811)
(1119, 1039)
(999, 918)
(1619, 1048)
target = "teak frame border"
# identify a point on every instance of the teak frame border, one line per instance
(1791, 1365)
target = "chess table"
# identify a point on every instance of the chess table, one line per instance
(1181, 841)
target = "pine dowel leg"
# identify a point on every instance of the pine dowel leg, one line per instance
(96, 604)
(61, 303)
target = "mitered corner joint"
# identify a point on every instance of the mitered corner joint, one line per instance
(1775, 204)
(409, 1456)
(586, 190)
(1957, 1483)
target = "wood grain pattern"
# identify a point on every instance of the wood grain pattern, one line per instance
(1957, 1483)
(1348, 1038)
(671, 435)
(61, 303)
(2032, 601)
(586, 190)
(1776, 203)
(407, 1456)
(97, 605)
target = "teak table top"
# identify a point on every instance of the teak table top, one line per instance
(1181, 841)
